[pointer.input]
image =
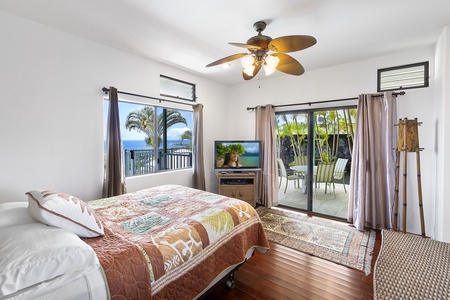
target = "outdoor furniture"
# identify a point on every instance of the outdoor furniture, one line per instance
(283, 173)
(325, 172)
(302, 170)
(339, 170)
(300, 160)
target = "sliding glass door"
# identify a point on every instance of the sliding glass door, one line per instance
(314, 147)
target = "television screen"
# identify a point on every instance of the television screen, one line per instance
(237, 155)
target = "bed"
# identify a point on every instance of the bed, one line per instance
(166, 242)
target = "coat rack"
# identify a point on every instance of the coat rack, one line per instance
(408, 141)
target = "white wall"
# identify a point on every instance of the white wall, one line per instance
(347, 81)
(51, 109)
(442, 109)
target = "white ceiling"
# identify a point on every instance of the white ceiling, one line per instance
(190, 34)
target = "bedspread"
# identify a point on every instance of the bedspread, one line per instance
(170, 242)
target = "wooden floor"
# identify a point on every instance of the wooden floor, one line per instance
(284, 273)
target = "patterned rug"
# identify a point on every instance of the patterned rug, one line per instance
(411, 267)
(331, 240)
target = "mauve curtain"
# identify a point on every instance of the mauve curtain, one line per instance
(113, 183)
(265, 131)
(372, 181)
(197, 147)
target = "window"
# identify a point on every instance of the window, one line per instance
(403, 77)
(146, 152)
(175, 88)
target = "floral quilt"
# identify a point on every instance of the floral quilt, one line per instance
(171, 241)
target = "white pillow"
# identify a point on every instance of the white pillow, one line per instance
(33, 253)
(14, 213)
(64, 211)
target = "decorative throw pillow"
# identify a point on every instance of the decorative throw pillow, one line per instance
(64, 211)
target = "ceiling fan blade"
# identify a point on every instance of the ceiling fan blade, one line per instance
(288, 64)
(250, 47)
(255, 71)
(291, 43)
(227, 59)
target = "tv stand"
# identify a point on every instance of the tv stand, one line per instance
(241, 186)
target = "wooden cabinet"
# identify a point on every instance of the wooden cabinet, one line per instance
(241, 186)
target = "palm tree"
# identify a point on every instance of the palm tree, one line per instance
(187, 135)
(143, 121)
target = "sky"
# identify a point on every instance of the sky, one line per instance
(173, 133)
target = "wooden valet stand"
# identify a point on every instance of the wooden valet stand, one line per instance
(408, 141)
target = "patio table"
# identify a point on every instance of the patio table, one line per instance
(303, 169)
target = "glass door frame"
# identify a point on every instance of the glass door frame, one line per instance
(310, 148)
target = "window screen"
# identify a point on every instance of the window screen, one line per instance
(175, 88)
(403, 77)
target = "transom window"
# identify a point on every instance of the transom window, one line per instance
(150, 146)
(175, 88)
(403, 77)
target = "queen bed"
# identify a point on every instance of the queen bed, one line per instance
(166, 242)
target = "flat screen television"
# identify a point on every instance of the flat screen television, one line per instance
(237, 156)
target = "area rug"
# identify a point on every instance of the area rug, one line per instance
(411, 267)
(331, 240)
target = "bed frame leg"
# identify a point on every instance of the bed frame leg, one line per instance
(230, 281)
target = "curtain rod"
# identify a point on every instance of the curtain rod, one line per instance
(106, 91)
(328, 101)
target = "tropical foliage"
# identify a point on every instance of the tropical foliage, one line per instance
(142, 120)
(295, 129)
(187, 135)
(329, 125)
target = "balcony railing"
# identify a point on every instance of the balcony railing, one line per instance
(139, 162)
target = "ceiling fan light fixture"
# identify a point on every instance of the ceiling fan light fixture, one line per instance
(226, 65)
(248, 66)
(270, 64)
(259, 47)
(249, 70)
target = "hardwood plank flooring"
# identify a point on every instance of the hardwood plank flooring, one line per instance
(284, 273)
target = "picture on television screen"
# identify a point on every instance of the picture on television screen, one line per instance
(237, 154)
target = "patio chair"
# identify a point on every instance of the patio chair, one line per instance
(301, 160)
(325, 171)
(283, 173)
(339, 170)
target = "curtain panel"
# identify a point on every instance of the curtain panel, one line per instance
(114, 183)
(372, 181)
(267, 180)
(197, 149)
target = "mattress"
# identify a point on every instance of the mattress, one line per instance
(43, 262)
(89, 286)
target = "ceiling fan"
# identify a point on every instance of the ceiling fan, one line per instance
(259, 47)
